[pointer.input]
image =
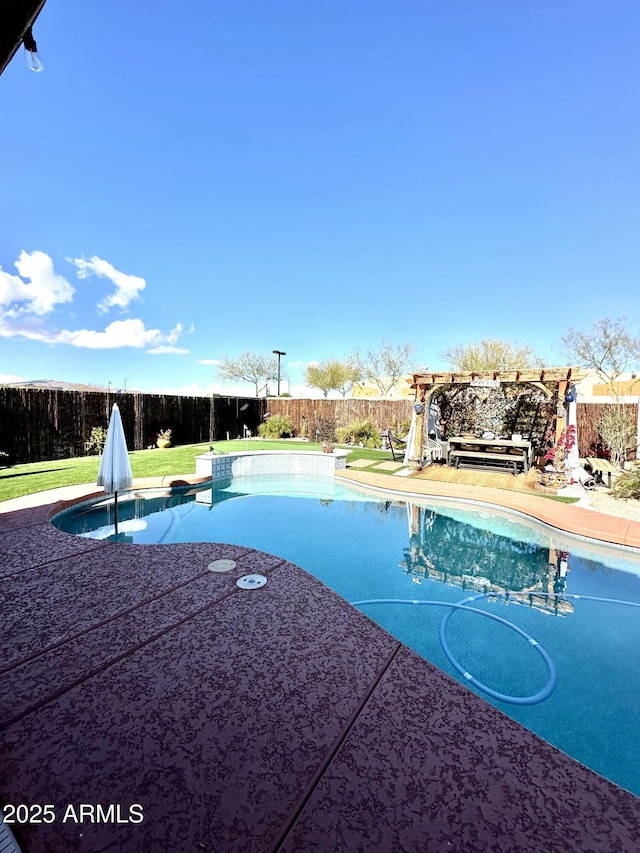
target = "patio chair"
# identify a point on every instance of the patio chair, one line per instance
(433, 449)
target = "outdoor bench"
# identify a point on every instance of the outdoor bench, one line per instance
(489, 459)
(600, 467)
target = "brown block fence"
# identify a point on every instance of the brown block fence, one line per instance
(383, 413)
(42, 424)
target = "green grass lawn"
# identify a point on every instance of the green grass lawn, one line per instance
(22, 480)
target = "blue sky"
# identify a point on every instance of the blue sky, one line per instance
(190, 180)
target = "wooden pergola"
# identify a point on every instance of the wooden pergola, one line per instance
(552, 381)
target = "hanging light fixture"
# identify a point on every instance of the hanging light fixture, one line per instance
(31, 51)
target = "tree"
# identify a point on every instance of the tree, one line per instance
(386, 365)
(332, 375)
(249, 367)
(619, 431)
(350, 375)
(610, 349)
(490, 354)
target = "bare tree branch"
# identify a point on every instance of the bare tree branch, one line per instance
(608, 347)
(386, 365)
(254, 368)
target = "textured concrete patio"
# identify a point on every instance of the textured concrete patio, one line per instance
(273, 719)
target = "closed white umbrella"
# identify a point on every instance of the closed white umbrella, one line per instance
(115, 469)
(414, 453)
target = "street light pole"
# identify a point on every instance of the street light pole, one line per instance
(279, 353)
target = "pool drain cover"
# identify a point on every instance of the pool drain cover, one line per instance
(222, 565)
(251, 581)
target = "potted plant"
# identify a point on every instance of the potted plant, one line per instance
(164, 438)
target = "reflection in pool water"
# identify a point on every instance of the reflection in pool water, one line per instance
(380, 547)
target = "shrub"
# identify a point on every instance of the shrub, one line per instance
(619, 429)
(323, 431)
(558, 455)
(94, 445)
(401, 428)
(276, 426)
(363, 431)
(627, 485)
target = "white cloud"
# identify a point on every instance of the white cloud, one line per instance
(12, 289)
(302, 390)
(121, 333)
(167, 350)
(175, 333)
(209, 361)
(128, 287)
(194, 389)
(40, 293)
(25, 298)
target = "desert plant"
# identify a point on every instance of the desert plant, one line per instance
(164, 435)
(94, 445)
(490, 354)
(627, 485)
(324, 431)
(401, 428)
(360, 431)
(276, 426)
(610, 348)
(619, 430)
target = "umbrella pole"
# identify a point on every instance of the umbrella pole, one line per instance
(115, 511)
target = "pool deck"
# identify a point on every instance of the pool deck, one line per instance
(278, 719)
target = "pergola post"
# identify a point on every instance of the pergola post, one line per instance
(561, 421)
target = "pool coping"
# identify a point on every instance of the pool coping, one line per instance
(376, 750)
(582, 522)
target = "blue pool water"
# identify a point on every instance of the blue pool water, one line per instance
(367, 546)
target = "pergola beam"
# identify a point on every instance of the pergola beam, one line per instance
(528, 375)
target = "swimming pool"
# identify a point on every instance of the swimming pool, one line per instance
(367, 546)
